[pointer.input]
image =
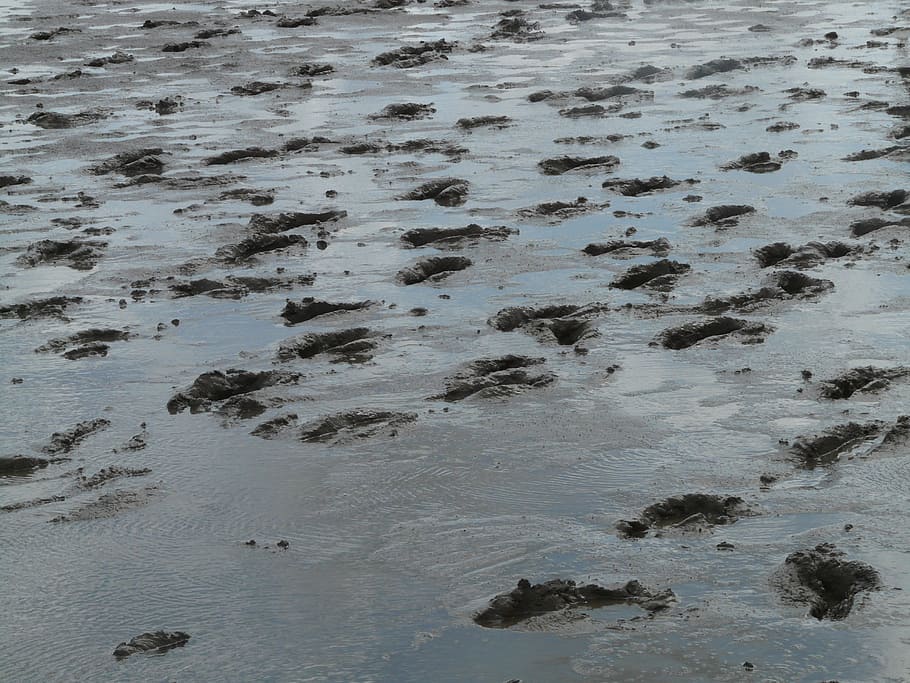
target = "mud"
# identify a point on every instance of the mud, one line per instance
(64, 442)
(310, 308)
(443, 191)
(781, 286)
(757, 162)
(565, 164)
(87, 343)
(560, 210)
(724, 215)
(54, 120)
(236, 155)
(157, 641)
(690, 334)
(259, 244)
(133, 163)
(434, 269)
(865, 380)
(564, 324)
(641, 186)
(661, 275)
(805, 256)
(513, 26)
(827, 447)
(355, 424)
(688, 512)
(76, 254)
(715, 66)
(33, 503)
(237, 287)
(405, 111)
(51, 307)
(409, 56)
(825, 581)
(528, 601)
(21, 465)
(354, 345)
(629, 248)
(211, 387)
(288, 221)
(882, 200)
(110, 505)
(497, 378)
(484, 122)
(864, 227)
(450, 238)
(107, 474)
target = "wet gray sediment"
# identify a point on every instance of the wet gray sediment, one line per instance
(438, 294)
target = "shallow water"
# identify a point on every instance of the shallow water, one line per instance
(395, 542)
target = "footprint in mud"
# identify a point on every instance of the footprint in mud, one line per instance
(565, 324)
(530, 605)
(349, 426)
(822, 579)
(216, 386)
(782, 286)
(158, 642)
(75, 254)
(452, 238)
(690, 334)
(110, 505)
(64, 442)
(443, 191)
(310, 308)
(725, 215)
(866, 380)
(689, 512)
(496, 378)
(805, 256)
(565, 164)
(636, 187)
(409, 56)
(404, 111)
(629, 248)
(560, 211)
(51, 307)
(659, 276)
(87, 343)
(355, 345)
(433, 269)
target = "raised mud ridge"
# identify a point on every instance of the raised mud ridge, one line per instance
(528, 601)
(496, 378)
(564, 324)
(690, 334)
(355, 345)
(433, 268)
(310, 308)
(866, 380)
(214, 386)
(822, 579)
(355, 424)
(157, 641)
(688, 512)
(447, 238)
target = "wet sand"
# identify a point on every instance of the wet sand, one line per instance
(228, 257)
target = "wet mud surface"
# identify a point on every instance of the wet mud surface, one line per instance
(468, 292)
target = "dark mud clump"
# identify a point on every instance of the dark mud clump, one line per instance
(724, 215)
(483, 122)
(443, 191)
(110, 505)
(626, 248)
(51, 119)
(560, 211)
(159, 641)
(21, 465)
(355, 345)
(312, 69)
(455, 237)
(259, 244)
(757, 162)
(254, 88)
(864, 227)
(496, 377)
(782, 286)
(92, 342)
(184, 46)
(529, 601)
(242, 407)
(715, 66)
(406, 111)
(237, 287)
(215, 386)
(660, 275)
(716, 92)
(565, 164)
(822, 579)
(310, 308)
(687, 512)
(826, 448)
(687, 335)
(64, 442)
(513, 26)
(133, 163)
(434, 268)
(9, 180)
(109, 474)
(883, 200)
(52, 307)
(410, 56)
(74, 254)
(355, 424)
(564, 324)
(239, 154)
(806, 256)
(638, 186)
(283, 222)
(270, 429)
(860, 380)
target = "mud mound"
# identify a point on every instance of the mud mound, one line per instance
(434, 268)
(110, 505)
(826, 448)
(757, 162)
(235, 155)
(724, 215)
(782, 286)
(443, 191)
(559, 211)
(132, 163)
(636, 187)
(355, 424)
(52, 119)
(283, 222)
(75, 254)
(565, 164)
(52, 307)
(690, 511)
(258, 244)
(496, 377)
(863, 380)
(21, 465)
(452, 237)
(527, 601)
(882, 200)
(822, 579)
(806, 256)
(214, 386)
(237, 287)
(310, 308)
(158, 641)
(715, 66)
(716, 92)
(109, 474)
(64, 442)
(513, 26)
(355, 345)
(626, 248)
(687, 335)
(564, 324)
(87, 343)
(405, 111)
(660, 275)
(483, 122)
(410, 56)
(864, 227)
